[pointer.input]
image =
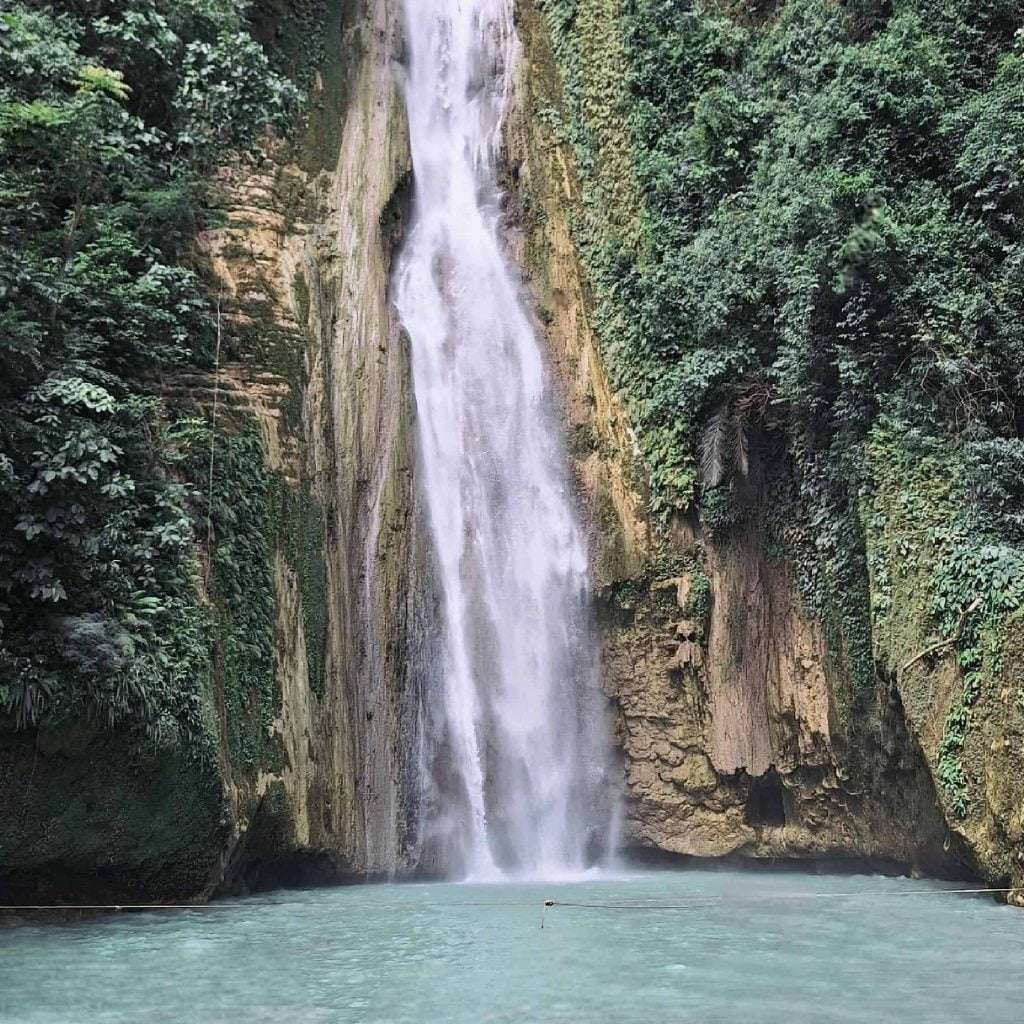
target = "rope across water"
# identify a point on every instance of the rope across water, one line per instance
(691, 903)
(711, 901)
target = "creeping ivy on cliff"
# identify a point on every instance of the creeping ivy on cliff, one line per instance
(112, 115)
(829, 239)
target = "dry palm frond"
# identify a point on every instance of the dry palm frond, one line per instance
(724, 445)
(714, 447)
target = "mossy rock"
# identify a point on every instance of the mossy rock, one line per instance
(98, 817)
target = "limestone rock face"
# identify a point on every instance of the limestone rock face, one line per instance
(313, 357)
(740, 730)
(322, 266)
(736, 724)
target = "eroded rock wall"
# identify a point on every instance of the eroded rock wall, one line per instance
(319, 258)
(741, 729)
(308, 772)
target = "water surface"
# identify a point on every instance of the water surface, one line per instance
(743, 948)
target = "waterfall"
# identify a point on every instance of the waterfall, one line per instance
(515, 741)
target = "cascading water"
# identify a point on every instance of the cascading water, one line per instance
(515, 742)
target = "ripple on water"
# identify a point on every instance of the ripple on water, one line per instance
(738, 948)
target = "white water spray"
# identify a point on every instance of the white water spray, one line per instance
(515, 742)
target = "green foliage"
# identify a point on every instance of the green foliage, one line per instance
(302, 535)
(225, 90)
(234, 517)
(110, 116)
(828, 217)
(720, 511)
(699, 604)
(937, 557)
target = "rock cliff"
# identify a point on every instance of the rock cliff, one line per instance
(307, 770)
(741, 726)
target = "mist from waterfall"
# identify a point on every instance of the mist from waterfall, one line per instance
(515, 740)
